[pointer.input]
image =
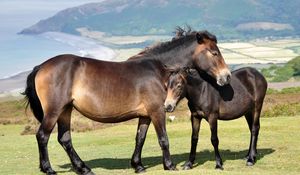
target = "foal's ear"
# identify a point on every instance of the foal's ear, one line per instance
(200, 38)
(190, 71)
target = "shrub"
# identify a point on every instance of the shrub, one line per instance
(290, 90)
(283, 73)
(291, 109)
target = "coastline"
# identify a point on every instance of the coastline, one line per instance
(236, 54)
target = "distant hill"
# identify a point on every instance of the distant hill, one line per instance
(229, 19)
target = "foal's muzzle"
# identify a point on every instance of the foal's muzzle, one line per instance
(169, 106)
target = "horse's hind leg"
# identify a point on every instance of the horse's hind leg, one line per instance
(42, 136)
(64, 138)
(213, 123)
(142, 129)
(254, 135)
(194, 140)
(249, 119)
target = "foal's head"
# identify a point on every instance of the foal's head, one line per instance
(176, 85)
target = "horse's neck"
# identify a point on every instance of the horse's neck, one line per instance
(178, 57)
(154, 65)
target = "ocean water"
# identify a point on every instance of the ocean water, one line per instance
(19, 53)
(23, 52)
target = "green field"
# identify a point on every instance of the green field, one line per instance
(108, 150)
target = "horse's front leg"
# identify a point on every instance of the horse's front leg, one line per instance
(159, 121)
(142, 129)
(213, 123)
(196, 121)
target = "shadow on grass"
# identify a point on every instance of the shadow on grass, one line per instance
(202, 157)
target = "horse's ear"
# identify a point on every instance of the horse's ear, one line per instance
(200, 38)
(189, 71)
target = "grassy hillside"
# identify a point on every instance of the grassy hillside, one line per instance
(289, 71)
(227, 19)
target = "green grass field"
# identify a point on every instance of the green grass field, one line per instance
(108, 150)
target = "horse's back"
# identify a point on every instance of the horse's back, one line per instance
(253, 80)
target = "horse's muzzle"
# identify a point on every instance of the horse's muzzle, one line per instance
(224, 78)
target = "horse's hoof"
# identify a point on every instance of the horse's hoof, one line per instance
(51, 172)
(219, 167)
(187, 166)
(140, 169)
(172, 167)
(89, 173)
(250, 162)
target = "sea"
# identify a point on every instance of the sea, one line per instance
(19, 53)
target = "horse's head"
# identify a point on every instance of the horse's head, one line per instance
(208, 58)
(176, 85)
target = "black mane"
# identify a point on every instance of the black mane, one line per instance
(181, 32)
(169, 45)
(183, 37)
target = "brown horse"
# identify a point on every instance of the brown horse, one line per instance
(112, 92)
(244, 95)
(209, 57)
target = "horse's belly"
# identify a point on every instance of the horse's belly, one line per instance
(108, 110)
(234, 109)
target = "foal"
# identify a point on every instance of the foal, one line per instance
(244, 95)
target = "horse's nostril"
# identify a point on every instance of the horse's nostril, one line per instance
(228, 78)
(169, 108)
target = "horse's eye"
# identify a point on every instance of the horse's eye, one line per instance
(179, 85)
(214, 53)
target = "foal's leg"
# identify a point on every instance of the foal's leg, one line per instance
(64, 138)
(142, 129)
(249, 118)
(196, 121)
(42, 137)
(159, 121)
(254, 137)
(213, 123)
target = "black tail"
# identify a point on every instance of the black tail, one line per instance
(31, 95)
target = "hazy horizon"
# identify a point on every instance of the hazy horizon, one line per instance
(17, 14)
(19, 52)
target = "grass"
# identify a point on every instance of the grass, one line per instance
(108, 153)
